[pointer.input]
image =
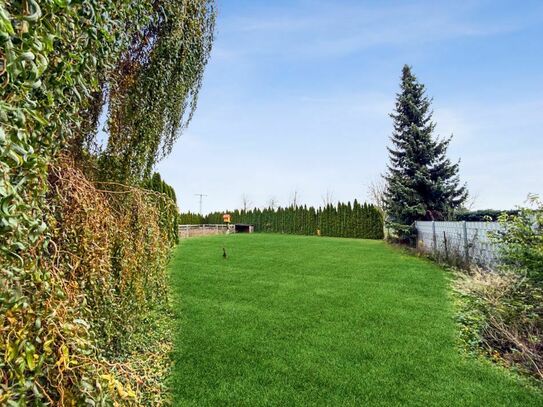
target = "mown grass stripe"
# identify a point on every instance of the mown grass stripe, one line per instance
(291, 320)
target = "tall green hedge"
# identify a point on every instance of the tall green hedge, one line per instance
(342, 220)
(169, 217)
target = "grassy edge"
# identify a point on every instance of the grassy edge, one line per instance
(467, 338)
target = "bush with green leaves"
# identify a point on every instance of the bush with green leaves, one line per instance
(501, 315)
(521, 240)
(502, 311)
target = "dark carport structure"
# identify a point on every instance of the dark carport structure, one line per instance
(244, 228)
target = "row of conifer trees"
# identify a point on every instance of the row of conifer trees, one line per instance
(191, 218)
(341, 220)
(156, 183)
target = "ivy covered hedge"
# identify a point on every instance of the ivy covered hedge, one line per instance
(342, 220)
(82, 246)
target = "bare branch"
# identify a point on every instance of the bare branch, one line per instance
(272, 203)
(328, 199)
(294, 198)
(376, 193)
(246, 202)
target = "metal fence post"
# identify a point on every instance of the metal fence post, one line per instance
(434, 237)
(465, 239)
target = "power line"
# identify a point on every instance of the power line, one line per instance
(201, 198)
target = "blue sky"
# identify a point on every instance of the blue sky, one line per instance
(297, 94)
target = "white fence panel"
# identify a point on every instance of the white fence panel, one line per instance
(466, 240)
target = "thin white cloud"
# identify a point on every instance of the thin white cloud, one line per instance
(342, 29)
(496, 143)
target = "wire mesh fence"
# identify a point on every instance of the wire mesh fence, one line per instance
(459, 242)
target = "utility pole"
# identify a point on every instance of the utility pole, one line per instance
(201, 198)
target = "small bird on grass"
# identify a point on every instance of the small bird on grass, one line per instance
(224, 253)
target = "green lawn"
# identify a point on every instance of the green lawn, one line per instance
(293, 320)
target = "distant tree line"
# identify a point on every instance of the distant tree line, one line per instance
(189, 218)
(341, 220)
(483, 215)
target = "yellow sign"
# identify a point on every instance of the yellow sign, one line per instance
(226, 218)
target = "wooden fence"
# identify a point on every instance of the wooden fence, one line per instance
(204, 230)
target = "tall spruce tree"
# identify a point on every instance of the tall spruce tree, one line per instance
(422, 183)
